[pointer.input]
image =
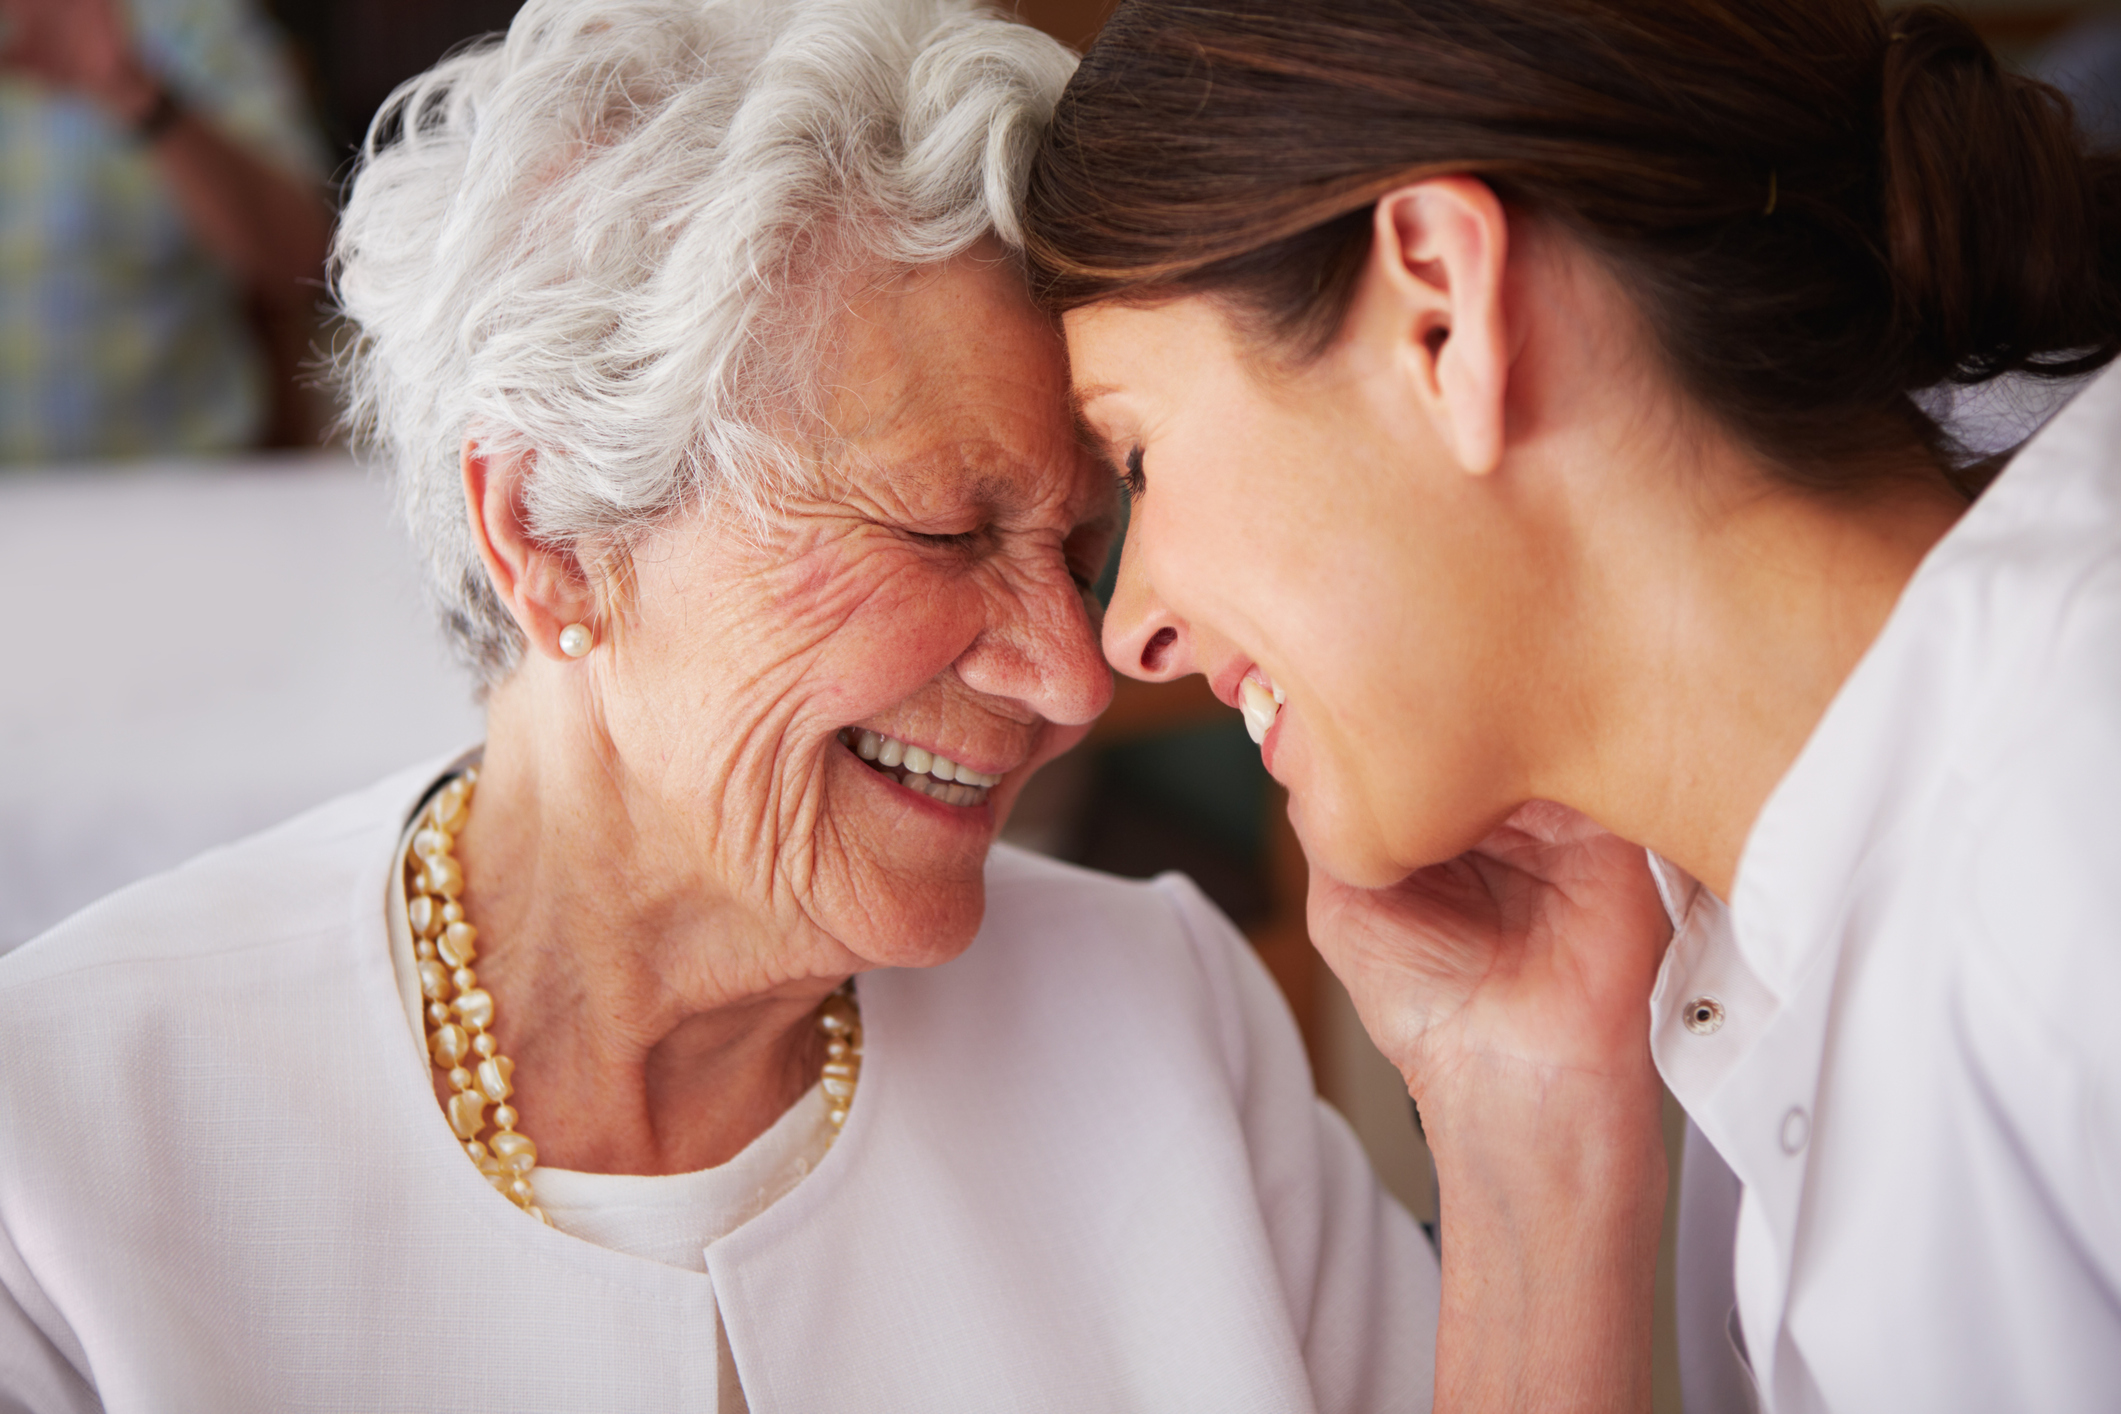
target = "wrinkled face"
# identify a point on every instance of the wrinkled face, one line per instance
(1304, 538)
(832, 719)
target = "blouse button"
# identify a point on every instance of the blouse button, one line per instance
(1704, 1016)
(1796, 1128)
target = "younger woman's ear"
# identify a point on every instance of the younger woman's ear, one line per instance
(1437, 255)
(543, 585)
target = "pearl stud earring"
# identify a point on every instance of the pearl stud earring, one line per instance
(576, 641)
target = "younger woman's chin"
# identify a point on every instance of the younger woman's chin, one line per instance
(1333, 845)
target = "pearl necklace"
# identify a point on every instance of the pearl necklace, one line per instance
(459, 1018)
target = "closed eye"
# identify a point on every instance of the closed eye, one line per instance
(962, 540)
(1132, 482)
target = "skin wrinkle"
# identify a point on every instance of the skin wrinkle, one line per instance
(673, 857)
(782, 813)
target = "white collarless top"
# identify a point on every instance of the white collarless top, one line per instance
(668, 1218)
(675, 1218)
(1903, 1037)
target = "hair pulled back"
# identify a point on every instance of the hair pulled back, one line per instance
(1818, 207)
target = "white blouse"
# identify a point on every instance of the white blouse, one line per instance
(1085, 1171)
(1900, 1036)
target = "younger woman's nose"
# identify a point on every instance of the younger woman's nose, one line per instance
(1143, 638)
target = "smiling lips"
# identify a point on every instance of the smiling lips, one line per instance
(918, 769)
(1260, 701)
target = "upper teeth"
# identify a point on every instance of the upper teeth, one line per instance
(1260, 702)
(918, 761)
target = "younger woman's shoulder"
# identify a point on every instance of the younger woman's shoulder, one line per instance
(2029, 837)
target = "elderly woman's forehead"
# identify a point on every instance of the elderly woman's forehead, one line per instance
(1000, 481)
(956, 355)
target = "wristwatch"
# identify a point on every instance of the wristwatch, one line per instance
(160, 117)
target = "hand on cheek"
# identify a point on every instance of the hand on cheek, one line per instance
(1534, 952)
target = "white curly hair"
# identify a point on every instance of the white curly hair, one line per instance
(610, 240)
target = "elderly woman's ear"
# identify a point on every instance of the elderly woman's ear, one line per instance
(544, 585)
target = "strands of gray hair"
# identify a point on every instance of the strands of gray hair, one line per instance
(611, 242)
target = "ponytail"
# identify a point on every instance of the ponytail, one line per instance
(2001, 231)
(1820, 209)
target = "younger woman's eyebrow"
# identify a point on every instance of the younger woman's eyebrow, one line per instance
(1083, 394)
(1086, 433)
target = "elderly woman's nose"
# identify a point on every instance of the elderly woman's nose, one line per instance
(1041, 650)
(1143, 638)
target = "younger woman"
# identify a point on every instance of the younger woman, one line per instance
(1532, 409)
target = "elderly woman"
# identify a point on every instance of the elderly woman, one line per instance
(693, 336)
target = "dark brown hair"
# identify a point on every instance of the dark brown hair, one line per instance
(1818, 207)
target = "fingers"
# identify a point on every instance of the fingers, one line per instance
(1553, 823)
(73, 44)
(25, 25)
(18, 35)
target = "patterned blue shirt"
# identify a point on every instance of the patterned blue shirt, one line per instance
(120, 335)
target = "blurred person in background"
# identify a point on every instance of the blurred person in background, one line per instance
(162, 228)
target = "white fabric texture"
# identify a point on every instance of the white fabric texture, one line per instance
(666, 1218)
(1713, 1375)
(1085, 1171)
(1918, 1075)
(673, 1218)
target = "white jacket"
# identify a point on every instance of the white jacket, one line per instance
(1913, 1061)
(1085, 1172)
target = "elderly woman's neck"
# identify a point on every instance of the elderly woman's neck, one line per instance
(656, 1025)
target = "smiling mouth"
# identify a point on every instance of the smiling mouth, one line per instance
(918, 769)
(1261, 701)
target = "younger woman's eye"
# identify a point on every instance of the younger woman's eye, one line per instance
(1132, 483)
